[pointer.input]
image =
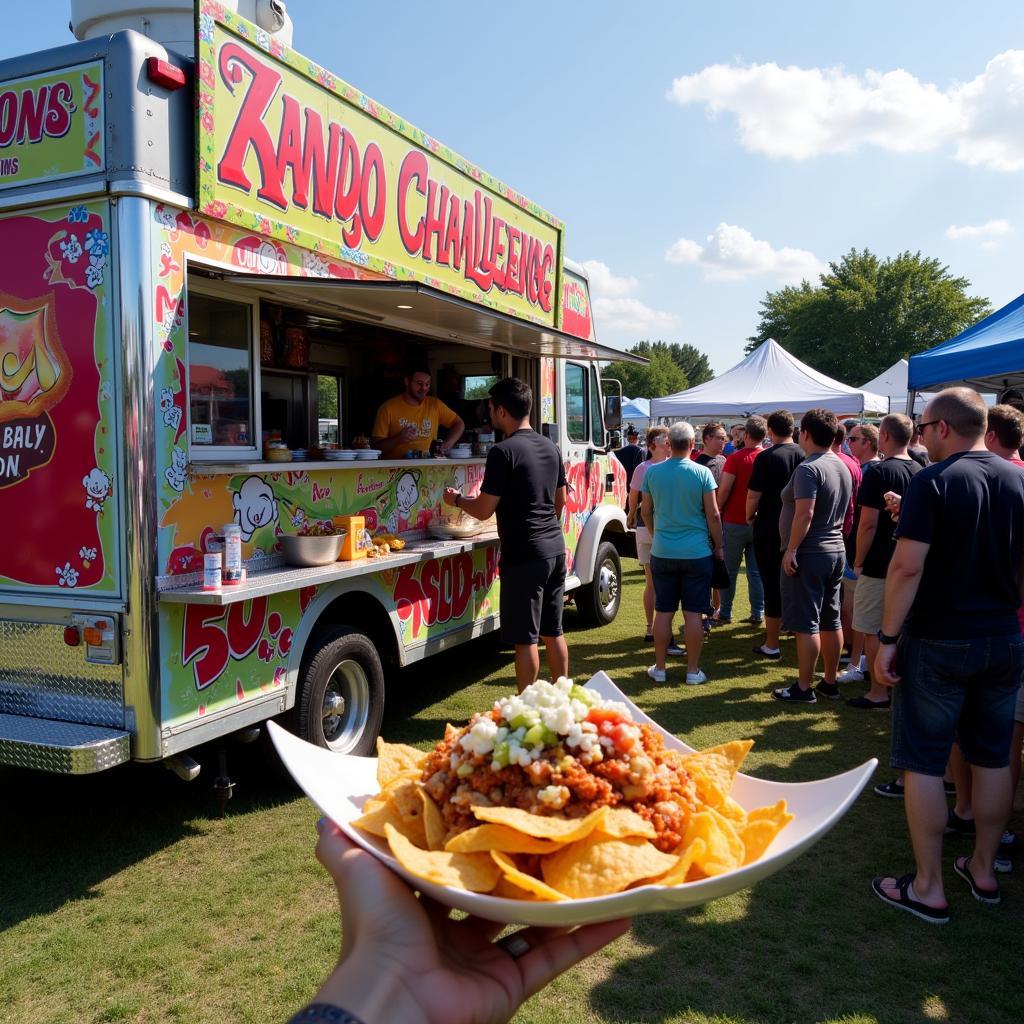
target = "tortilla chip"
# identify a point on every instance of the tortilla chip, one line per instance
(732, 810)
(473, 871)
(402, 809)
(532, 885)
(396, 758)
(599, 865)
(507, 890)
(758, 833)
(714, 769)
(561, 830)
(433, 824)
(677, 875)
(384, 812)
(724, 849)
(485, 838)
(621, 822)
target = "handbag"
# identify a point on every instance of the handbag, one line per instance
(719, 574)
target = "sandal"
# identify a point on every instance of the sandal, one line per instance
(991, 896)
(904, 901)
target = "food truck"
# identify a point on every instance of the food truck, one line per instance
(218, 257)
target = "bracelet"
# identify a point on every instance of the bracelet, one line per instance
(325, 1012)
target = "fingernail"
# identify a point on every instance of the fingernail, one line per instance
(321, 824)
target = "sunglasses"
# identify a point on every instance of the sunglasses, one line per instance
(930, 423)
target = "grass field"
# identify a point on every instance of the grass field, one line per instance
(126, 897)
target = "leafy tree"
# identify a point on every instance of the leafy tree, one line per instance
(688, 358)
(866, 313)
(661, 376)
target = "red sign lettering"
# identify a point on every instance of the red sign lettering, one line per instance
(210, 643)
(29, 115)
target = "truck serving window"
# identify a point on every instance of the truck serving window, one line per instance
(220, 374)
(576, 402)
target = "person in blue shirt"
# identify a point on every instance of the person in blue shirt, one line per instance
(680, 509)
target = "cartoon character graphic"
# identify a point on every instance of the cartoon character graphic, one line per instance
(255, 505)
(97, 489)
(172, 414)
(407, 493)
(175, 473)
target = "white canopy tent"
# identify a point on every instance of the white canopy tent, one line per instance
(892, 383)
(768, 379)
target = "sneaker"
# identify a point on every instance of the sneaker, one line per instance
(648, 637)
(869, 705)
(894, 788)
(721, 620)
(768, 652)
(754, 620)
(675, 651)
(960, 826)
(851, 675)
(830, 690)
(657, 674)
(949, 788)
(1004, 858)
(795, 695)
(695, 678)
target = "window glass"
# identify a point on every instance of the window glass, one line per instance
(328, 408)
(220, 372)
(596, 420)
(478, 387)
(576, 402)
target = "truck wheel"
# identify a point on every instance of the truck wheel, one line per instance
(341, 693)
(598, 601)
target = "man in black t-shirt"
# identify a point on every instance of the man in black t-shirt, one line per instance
(874, 543)
(714, 438)
(630, 455)
(524, 485)
(952, 591)
(771, 472)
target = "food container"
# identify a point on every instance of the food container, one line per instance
(356, 540)
(232, 574)
(212, 564)
(308, 551)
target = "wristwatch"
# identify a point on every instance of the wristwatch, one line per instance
(888, 641)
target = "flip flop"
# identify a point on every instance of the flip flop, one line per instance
(991, 896)
(933, 915)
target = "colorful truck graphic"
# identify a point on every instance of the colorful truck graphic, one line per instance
(109, 489)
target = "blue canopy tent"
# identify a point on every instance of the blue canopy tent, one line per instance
(987, 357)
(636, 412)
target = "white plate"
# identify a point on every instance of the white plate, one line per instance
(340, 455)
(367, 453)
(339, 785)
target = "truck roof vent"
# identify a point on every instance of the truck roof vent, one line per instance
(170, 22)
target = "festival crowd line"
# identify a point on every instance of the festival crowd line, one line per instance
(902, 545)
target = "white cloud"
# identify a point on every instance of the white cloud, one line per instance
(615, 308)
(984, 233)
(803, 112)
(733, 254)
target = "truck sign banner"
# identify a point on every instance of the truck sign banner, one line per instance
(58, 475)
(290, 151)
(51, 126)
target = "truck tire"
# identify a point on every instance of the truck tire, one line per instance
(598, 601)
(340, 704)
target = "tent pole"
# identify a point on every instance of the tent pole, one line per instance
(911, 399)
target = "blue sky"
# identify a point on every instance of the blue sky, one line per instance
(701, 155)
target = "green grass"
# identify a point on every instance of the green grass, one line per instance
(126, 897)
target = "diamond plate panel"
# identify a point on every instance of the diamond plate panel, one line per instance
(60, 747)
(41, 677)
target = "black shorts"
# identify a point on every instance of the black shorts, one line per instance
(769, 562)
(532, 596)
(810, 599)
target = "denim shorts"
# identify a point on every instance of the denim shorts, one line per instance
(963, 690)
(810, 599)
(685, 581)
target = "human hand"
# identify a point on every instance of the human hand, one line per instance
(893, 502)
(450, 496)
(720, 553)
(408, 433)
(884, 668)
(404, 959)
(789, 563)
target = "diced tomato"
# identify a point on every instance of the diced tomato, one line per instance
(624, 737)
(599, 716)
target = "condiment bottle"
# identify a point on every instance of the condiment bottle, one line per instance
(212, 571)
(232, 555)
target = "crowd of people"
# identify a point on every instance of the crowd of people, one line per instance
(903, 543)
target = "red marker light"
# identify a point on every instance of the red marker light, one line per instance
(71, 636)
(163, 74)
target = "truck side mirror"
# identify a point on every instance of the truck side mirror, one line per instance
(612, 390)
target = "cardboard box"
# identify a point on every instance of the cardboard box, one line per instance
(356, 539)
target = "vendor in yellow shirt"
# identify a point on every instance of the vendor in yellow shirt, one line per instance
(409, 421)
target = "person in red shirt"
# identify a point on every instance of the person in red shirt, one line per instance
(739, 534)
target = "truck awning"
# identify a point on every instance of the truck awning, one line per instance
(417, 309)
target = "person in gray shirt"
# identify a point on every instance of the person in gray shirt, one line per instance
(814, 504)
